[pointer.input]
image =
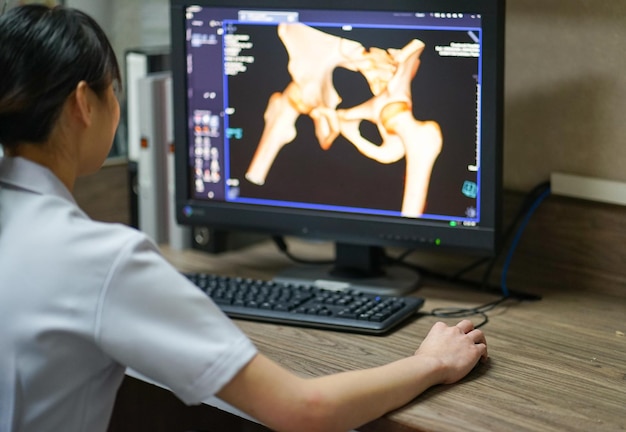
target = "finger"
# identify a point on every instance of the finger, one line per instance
(484, 355)
(477, 336)
(466, 326)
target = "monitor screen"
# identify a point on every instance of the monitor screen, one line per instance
(366, 123)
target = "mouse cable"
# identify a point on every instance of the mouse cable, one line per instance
(452, 312)
(528, 202)
(459, 312)
(531, 203)
(443, 312)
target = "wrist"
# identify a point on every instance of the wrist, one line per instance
(433, 369)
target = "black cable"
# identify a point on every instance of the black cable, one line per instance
(516, 239)
(282, 246)
(457, 312)
(448, 312)
(535, 196)
(471, 266)
(526, 205)
(529, 199)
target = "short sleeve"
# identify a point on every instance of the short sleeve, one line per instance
(153, 320)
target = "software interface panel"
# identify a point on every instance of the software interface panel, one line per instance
(366, 112)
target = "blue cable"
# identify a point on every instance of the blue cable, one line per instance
(518, 235)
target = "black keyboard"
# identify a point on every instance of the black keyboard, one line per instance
(306, 306)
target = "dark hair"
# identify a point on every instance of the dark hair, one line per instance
(44, 53)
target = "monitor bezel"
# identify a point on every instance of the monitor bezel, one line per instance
(353, 228)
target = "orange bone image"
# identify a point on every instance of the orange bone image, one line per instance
(313, 56)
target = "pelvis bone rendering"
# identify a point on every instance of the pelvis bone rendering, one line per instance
(313, 55)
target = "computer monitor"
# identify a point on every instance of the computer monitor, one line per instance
(371, 124)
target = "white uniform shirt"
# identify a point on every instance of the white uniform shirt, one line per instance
(80, 300)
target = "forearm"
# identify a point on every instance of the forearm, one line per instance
(344, 401)
(337, 402)
(361, 396)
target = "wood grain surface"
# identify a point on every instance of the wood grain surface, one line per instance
(556, 364)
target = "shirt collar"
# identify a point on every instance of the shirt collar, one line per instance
(27, 175)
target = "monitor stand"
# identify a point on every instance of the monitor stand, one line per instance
(357, 267)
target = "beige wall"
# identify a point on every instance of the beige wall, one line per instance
(129, 23)
(565, 90)
(140, 23)
(565, 100)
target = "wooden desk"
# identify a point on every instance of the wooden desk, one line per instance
(556, 364)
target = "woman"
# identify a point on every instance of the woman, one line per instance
(82, 300)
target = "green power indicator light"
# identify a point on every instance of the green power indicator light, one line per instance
(438, 242)
(453, 223)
